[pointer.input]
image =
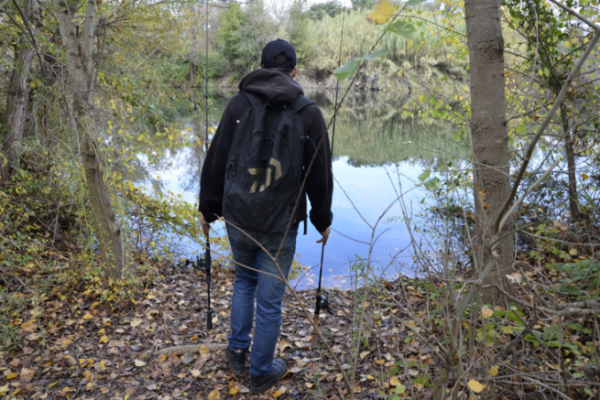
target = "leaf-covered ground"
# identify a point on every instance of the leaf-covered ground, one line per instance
(75, 341)
(75, 345)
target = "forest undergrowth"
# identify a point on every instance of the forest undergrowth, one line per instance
(66, 333)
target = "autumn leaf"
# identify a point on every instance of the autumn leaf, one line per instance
(195, 373)
(214, 395)
(383, 11)
(88, 316)
(515, 277)
(139, 363)
(394, 381)
(103, 339)
(476, 386)
(282, 345)
(11, 376)
(4, 389)
(204, 350)
(136, 322)
(486, 312)
(494, 370)
(364, 354)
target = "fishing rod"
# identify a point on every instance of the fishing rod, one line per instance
(206, 81)
(337, 85)
(204, 263)
(322, 302)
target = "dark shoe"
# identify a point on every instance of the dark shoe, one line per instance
(236, 359)
(260, 383)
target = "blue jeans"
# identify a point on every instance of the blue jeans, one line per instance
(268, 296)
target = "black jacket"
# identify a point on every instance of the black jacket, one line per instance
(275, 88)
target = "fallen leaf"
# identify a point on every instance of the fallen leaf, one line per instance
(486, 312)
(88, 316)
(139, 363)
(204, 350)
(136, 322)
(195, 373)
(103, 339)
(214, 395)
(515, 277)
(476, 386)
(364, 354)
(394, 381)
(282, 345)
(494, 370)
(11, 375)
(4, 389)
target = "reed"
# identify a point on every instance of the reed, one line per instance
(429, 45)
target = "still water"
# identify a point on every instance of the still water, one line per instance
(378, 156)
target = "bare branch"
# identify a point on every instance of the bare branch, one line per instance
(576, 14)
(529, 190)
(542, 128)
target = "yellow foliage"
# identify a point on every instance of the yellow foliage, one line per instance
(476, 386)
(384, 10)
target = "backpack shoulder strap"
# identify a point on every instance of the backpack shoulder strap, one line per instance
(253, 99)
(300, 102)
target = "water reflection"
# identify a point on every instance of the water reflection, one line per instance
(379, 152)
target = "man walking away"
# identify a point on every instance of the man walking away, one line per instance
(252, 176)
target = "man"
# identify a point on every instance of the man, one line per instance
(272, 84)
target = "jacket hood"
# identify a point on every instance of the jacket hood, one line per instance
(275, 87)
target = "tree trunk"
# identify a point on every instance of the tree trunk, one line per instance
(490, 139)
(573, 207)
(80, 76)
(16, 102)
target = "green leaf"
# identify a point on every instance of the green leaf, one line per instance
(401, 28)
(521, 129)
(412, 3)
(431, 183)
(424, 175)
(377, 54)
(347, 70)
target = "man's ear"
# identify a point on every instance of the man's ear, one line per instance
(294, 73)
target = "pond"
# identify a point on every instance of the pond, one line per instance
(378, 154)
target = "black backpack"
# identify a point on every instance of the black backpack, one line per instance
(265, 169)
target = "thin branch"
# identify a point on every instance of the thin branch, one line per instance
(530, 189)
(542, 128)
(576, 14)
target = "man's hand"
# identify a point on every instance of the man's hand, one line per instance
(325, 235)
(205, 225)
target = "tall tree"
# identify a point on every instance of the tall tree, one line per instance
(489, 137)
(16, 101)
(81, 82)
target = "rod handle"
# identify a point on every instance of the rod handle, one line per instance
(313, 343)
(209, 324)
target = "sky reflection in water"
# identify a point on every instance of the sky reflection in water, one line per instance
(372, 193)
(366, 135)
